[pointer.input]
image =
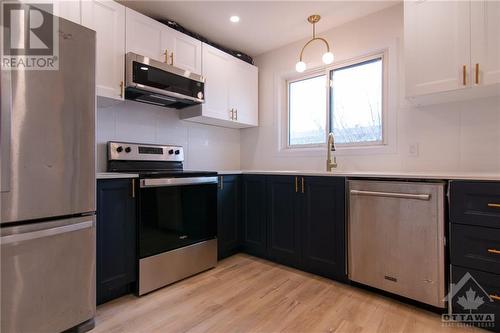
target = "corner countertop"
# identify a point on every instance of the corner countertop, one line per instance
(115, 175)
(374, 174)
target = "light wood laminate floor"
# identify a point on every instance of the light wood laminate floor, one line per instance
(247, 294)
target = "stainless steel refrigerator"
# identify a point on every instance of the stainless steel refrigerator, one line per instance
(48, 190)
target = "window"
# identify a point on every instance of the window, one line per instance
(356, 103)
(353, 109)
(306, 111)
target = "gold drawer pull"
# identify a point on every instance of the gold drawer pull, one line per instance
(495, 251)
(477, 73)
(464, 75)
(495, 297)
(494, 205)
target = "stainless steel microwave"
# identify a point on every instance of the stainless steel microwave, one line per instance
(154, 82)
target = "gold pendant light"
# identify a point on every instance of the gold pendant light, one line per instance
(327, 57)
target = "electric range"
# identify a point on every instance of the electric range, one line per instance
(177, 212)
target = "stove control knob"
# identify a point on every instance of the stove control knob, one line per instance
(171, 151)
(119, 149)
(177, 152)
(128, 150)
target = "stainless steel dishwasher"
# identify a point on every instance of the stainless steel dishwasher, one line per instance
(396, 238)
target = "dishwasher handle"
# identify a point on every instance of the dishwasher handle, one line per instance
(424, 197)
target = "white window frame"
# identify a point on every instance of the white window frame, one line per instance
(285, 146)
(306, 76)
(354, 61)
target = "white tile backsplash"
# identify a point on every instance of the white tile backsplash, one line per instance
(206, 147)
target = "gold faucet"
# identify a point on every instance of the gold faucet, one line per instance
(331, 148)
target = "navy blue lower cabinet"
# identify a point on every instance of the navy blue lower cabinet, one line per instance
(116, 238)
(283, 219)
(323, 227)
(477, 296)
(228, 215)
(253, 215)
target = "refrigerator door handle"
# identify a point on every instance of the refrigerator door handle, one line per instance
(16, 238)
(5, 128)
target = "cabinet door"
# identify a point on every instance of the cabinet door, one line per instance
(437, 46)
(144, 36)
(67, 9)
(228, 230)
(323, 244)
(185, 50)
(485, 40)
(254, 215)
(216, 65)
(116, 238)
(283, 241)
(243, 92)
(107, 18)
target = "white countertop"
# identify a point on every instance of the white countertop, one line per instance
(374, 174)
(366, 174)
(115, 175)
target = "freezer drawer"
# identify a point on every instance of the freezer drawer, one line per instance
(396, 238)
(48, 275)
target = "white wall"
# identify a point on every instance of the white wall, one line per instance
(206, 147)
(461, 137)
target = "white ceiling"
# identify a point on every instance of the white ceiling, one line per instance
(264, 25)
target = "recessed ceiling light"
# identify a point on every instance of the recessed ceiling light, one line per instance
(234, 19)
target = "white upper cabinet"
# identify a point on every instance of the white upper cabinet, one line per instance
(150, 38)
(452, 50)
(231, 91)
(185, 51)
(67, 9)
(107, 18)
(437, 46)
(216, 66)
(144, 36)
(243, 92)
(485, 40)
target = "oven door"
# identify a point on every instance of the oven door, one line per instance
(176, 212)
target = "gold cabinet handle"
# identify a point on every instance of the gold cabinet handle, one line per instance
(296, 184)
(495, 297)
(236, 114)
(121, 89)
(493, 205)
(133, 188)
(477, 73)
(166, 55)
(494, 251)
(302, 184)
(464, 75)
(172, 58)
(231, 114)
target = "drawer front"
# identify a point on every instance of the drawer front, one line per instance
(475, 247)
(487, 288)
(475, 203)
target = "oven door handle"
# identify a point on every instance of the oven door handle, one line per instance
(162, 182)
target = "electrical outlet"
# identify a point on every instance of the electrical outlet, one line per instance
(413, 149)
